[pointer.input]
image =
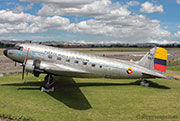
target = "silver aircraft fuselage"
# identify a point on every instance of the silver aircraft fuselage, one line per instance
(64, 62)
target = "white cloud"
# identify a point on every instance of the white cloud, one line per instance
(131, 28)
(179, 26)
(28, 7)
(11, 22)
(165, 27)
(62, 1)
(177, 34)
(148, 7)
(163, 41)
(95, 8)
(97, 42)
(65, 3)
(19, 8)
(108, 19)
(132, 3)
(178, 1)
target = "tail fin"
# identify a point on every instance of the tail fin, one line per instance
(155, 59)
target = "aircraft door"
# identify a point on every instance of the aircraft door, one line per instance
(108, 72)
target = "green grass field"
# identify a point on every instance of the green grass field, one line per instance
(82, 99)
(174, 68)
(99, 50)
(174, 65)
(95, 50)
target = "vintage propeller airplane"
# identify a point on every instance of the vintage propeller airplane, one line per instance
(37, 59)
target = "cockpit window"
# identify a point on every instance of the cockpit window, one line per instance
(18, 48)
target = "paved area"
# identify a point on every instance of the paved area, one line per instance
(1, 56)
(135, 56)
(172, 55)
(11, 71)
(8, 66)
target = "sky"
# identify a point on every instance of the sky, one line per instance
(86, 21)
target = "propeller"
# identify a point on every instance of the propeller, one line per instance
(23, 72)
(24, 64)
(15, 64)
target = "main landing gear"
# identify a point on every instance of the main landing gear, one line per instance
(48, 84)
(144, 83)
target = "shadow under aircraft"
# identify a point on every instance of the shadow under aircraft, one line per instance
(68, 91)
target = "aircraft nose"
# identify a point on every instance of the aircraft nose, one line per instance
(5, 52)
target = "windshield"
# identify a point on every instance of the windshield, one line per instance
(17, 47)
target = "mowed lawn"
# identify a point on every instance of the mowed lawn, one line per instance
(82, 99)
(98, 50)
(119, 49)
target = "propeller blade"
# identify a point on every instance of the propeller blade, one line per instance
(24, 64)
(15, 64)
(23, 72)
(26, 58)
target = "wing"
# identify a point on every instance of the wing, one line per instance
(65, 70)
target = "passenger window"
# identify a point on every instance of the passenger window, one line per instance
(84, 63)
(67, 60)
(50, 56)
(76, 61)
(58, 58)
(93, 65)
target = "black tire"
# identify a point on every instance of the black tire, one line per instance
(48, 82)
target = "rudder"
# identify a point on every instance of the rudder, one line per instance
(155, 59)
(160, 59)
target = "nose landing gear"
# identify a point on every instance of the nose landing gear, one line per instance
(48, 84)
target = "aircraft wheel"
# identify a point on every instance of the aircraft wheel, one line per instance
(144, 83)
(48, 82)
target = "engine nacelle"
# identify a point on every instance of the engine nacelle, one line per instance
(33, 66)
(29, 66)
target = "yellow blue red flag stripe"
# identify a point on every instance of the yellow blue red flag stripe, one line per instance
(160, 59)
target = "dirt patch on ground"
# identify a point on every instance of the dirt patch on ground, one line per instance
(7, 64)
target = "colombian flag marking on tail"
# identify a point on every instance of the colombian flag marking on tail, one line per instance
(160, 59)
